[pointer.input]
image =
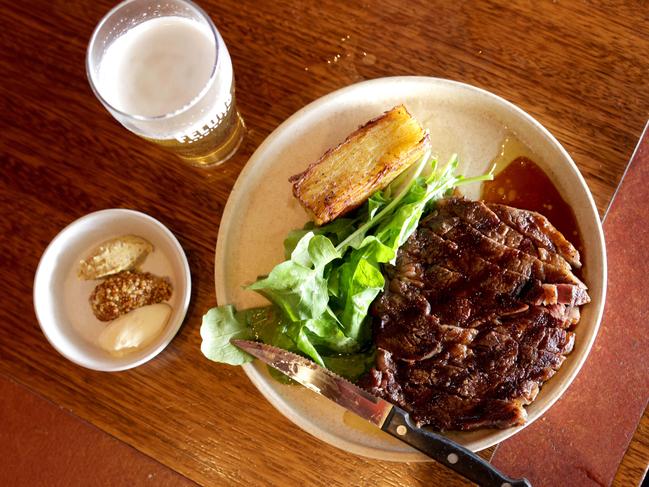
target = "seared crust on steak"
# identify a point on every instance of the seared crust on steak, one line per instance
(477, 314)
(537, 228)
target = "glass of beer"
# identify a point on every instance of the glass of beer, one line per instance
(163, 71)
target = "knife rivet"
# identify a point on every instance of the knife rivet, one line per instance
(401, 430)
(452, 458)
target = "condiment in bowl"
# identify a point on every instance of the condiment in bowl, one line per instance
(61, 298)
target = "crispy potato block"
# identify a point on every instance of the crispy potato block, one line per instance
(368, 160)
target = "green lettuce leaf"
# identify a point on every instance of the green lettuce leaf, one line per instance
(327, 335)
(359, 281)
(219, 326)
(224, 323)
(336, 231)
(298, 286)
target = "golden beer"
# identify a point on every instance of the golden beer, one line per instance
(164, 72)
(216, 140)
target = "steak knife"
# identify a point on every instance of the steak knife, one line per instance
(390, 418)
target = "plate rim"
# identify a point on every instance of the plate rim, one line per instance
(227, 220)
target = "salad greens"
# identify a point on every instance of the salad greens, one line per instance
(322, 293)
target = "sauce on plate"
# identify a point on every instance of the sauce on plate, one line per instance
(523, 184)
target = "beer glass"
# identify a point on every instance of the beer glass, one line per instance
(163, 71)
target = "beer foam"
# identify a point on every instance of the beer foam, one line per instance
(157, 67)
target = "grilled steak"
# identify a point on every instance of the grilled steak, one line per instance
(477, 313)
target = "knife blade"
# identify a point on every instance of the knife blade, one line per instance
(390, 418)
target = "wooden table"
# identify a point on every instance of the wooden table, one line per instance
(579, 68)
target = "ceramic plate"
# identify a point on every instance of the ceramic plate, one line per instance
(61, 298)
(462, 119)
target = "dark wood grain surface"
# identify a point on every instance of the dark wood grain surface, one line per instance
(579, 67)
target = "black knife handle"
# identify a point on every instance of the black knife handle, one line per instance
(447, 452)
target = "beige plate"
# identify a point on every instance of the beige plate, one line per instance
(462, 119)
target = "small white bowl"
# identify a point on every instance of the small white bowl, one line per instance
(61, 299)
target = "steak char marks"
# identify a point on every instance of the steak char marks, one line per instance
(476, 315)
